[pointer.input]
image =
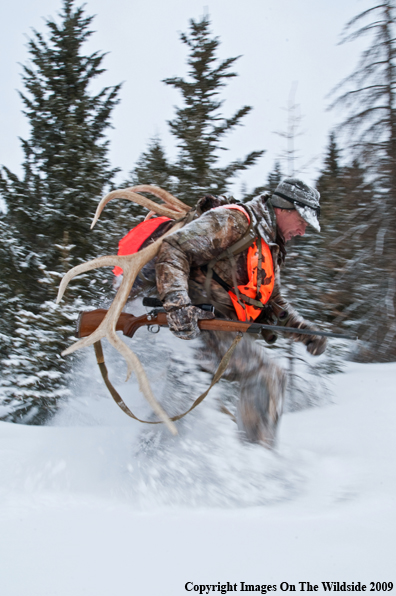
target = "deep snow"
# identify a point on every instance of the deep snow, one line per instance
(96, 504)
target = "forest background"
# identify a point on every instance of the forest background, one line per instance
(344, 278)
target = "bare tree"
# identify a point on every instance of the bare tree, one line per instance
(369, 93)
(367, 97)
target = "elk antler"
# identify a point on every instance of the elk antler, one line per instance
(131, 265)
(175, 207)
(162, 194)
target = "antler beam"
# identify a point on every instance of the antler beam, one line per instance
(126, 193)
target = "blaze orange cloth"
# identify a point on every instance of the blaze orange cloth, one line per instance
(131, 243)
(248, 312)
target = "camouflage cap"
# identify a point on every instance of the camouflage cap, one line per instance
(292, 193)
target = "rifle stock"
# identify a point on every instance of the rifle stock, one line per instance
(88, 321)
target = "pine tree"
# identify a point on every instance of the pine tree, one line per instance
(199, 125)
(66, 167)
(275, 177)
(49, 210)
(332, 208)
(369, 98)
(10, 253)
(331, 171)
(152, 167)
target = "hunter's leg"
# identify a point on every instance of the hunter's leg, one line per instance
(262, 385)
(260, 405)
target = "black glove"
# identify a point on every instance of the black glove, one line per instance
(183, 321)
(316, 345)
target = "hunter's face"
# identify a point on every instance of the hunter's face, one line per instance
(290, 223)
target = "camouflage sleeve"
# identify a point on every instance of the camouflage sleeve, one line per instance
(196, 244)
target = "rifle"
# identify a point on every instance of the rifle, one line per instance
(88, 321)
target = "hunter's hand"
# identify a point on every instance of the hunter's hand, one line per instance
(316, 345)
(183, 321)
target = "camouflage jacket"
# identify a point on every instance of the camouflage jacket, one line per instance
(180, 280)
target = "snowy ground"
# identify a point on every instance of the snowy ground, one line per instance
(96, 504)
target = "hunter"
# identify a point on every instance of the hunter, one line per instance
(230, 257)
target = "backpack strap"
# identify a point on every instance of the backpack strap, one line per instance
(239, 246)
(242, 244)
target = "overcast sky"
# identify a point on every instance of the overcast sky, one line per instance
(282, 43)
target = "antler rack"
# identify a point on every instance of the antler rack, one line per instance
(131, 265)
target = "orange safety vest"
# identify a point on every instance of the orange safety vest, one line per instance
(244, 311)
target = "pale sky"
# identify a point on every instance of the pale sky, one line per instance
(282, 43)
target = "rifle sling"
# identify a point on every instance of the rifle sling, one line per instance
(120, 402)
(213, 275)
(217, 278)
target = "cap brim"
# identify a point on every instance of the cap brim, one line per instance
(309, 215)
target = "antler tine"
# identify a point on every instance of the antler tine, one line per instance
(161, 194)
(144, 384)
(127, 193)
(149, 215)
(107, 261)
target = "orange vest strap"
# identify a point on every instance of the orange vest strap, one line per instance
(237, 207)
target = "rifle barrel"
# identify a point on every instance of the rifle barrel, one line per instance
(302, 331)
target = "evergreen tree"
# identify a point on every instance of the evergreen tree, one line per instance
(153, 168)
(199, 125)
(322, 276)
(275, 177)
(329, 259)
(330, 174)
(49, 210)
(10, 252)
(273, 180)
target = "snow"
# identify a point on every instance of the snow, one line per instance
(96, 504)
(309, 215)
